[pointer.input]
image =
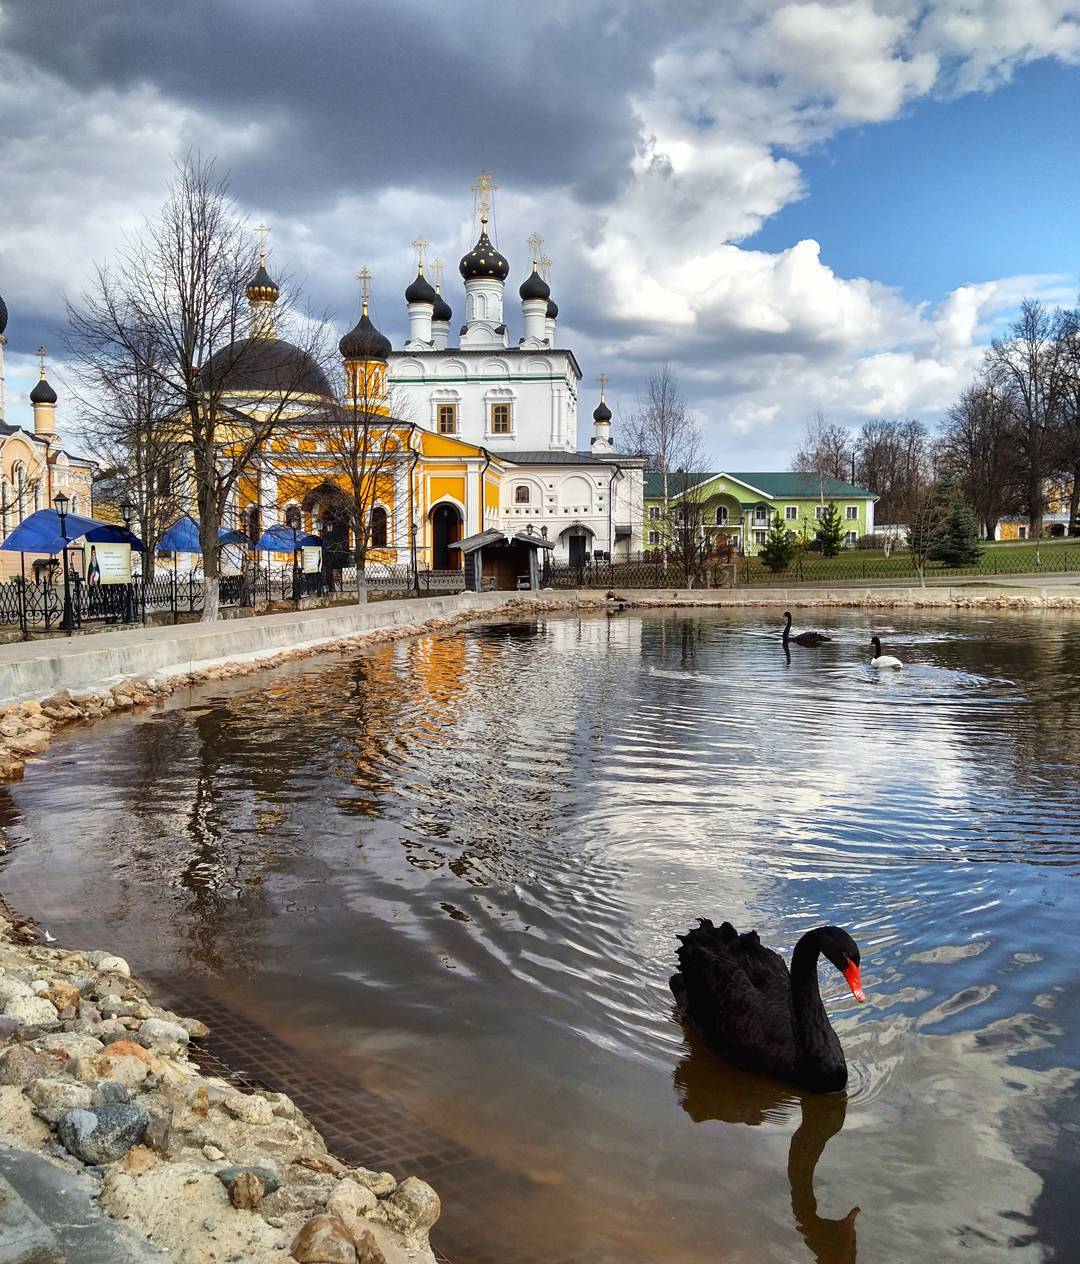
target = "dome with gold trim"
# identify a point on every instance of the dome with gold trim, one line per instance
(262, 288)
(484, 260)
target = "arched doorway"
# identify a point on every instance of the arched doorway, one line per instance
(445, 530)
(577, 540)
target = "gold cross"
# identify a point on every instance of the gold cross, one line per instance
(41, 353)
(602, 379)
(262, 230)
(364, 276)
(485, 186)
(545, 267)
(420, 245)
(437, 266)
(535, 242)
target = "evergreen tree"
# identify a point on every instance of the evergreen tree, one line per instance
(956, 542)
(778, 550)
(830, 532)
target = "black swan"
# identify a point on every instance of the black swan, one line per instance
(740, 997)
(804, 638)
(882, 660)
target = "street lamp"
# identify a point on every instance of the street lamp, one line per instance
(415, 571)
(126, 509)
(67, 623)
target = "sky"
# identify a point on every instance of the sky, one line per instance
(800, 206)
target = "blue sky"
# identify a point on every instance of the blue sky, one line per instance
(878, 185)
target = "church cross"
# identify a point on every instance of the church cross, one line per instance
(437, 266)
(41, 353)
(262, 230)
(364, 277)
(545, 267)
(420, 244)
(535, 242)
(485, 187)
(602, 379)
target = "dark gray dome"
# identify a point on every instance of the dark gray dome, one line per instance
(602, 412)
(3, 314)
(483, 261)
(364, 342)
(534, 286)
(262, 287)
(420, 291)
(441, 310)
(552, 310)
(265, 366)
(43, 393)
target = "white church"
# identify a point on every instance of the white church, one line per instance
(518, 400)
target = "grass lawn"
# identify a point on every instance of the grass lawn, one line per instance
(1024, 557)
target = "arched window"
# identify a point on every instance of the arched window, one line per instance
(521, 494)
(378, 527)
(292, 517)
(721, 515)
(20, 492)
(74, 503)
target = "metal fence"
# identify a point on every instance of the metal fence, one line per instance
(644, 570)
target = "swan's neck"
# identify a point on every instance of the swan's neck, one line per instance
(821, 1059)
(787, 628)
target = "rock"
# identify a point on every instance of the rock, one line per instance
(52, 1098)
(32, 742)
(31, 1009)
(104, 1133)
(75, 1044)
(212, 1153)
(195, 1029)
(413, 1207)
(381, 1184)
(159, 1132)
(323, 1240)
(91, 1013)
(8, 1028)
(10, 989)
(156, 1033)
(250, 1109)
(20, 1065)
(367, 1249)
(139, 1159)
(350, 1202)
(112, 1006)
(282, 1105)
(248, 1185)
(62, 994)
(110, 1093)
(320, 1161)
(124, 1068)
(109, 964)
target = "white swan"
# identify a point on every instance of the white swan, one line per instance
(882, 660)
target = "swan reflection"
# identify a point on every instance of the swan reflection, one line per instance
(707, 1088)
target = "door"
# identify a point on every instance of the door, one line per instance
(445, 530)
(577, 543)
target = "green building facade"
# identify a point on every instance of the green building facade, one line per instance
(737, 509)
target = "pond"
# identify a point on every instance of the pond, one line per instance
(449, 872)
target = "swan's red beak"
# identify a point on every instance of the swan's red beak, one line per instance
(854, 981)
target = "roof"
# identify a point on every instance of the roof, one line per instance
(499, 538)
(484, 260)
(454, 353)
(266, 366)
(775, 484)
(572, 458)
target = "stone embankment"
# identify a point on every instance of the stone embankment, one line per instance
(97, 1080)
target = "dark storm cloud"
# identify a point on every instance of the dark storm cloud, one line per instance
(360, 96)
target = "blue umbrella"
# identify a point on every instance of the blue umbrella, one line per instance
(183, 537)
(40, 533)
(282, 539)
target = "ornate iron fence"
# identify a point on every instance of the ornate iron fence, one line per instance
(853, 565)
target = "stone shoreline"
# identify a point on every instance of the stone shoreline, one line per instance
(96, 1079)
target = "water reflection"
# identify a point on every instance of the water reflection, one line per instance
(455, 865)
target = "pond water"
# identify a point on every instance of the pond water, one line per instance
(452, 869)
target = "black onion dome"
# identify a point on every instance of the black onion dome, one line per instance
(534, 286)
(602, 412)
(441, 310)
(483, 261)
(3, 314)
(43, 393)
(262, 288)
(553, 310)
(364, 342)
(421, 291)
(264, 366)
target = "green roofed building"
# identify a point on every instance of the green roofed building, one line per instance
(737, 509)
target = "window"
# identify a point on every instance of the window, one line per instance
(500, 419)
(851, 513)
(654, 537)
(759, 537)
(721, 515)
(819, 512)
(447, 415)
(791, 513)
(292, 518)
(654, 513)
(378, 527)
(521, 494)
(851, 537)
(761, 513)
(1022, 533)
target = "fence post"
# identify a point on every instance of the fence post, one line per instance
(173, 594)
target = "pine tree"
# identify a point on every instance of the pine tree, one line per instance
(830, 532)
(778, 550)
(956, 542)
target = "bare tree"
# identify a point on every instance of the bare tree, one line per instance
(1066, 455)
(978, 447)
(1027, 367)
(893, 457)
(663, 429)
(928, 513)
(192, 284)
(826, 451)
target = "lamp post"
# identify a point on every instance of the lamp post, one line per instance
(67, 623)
(415, 570)
(126, 508)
